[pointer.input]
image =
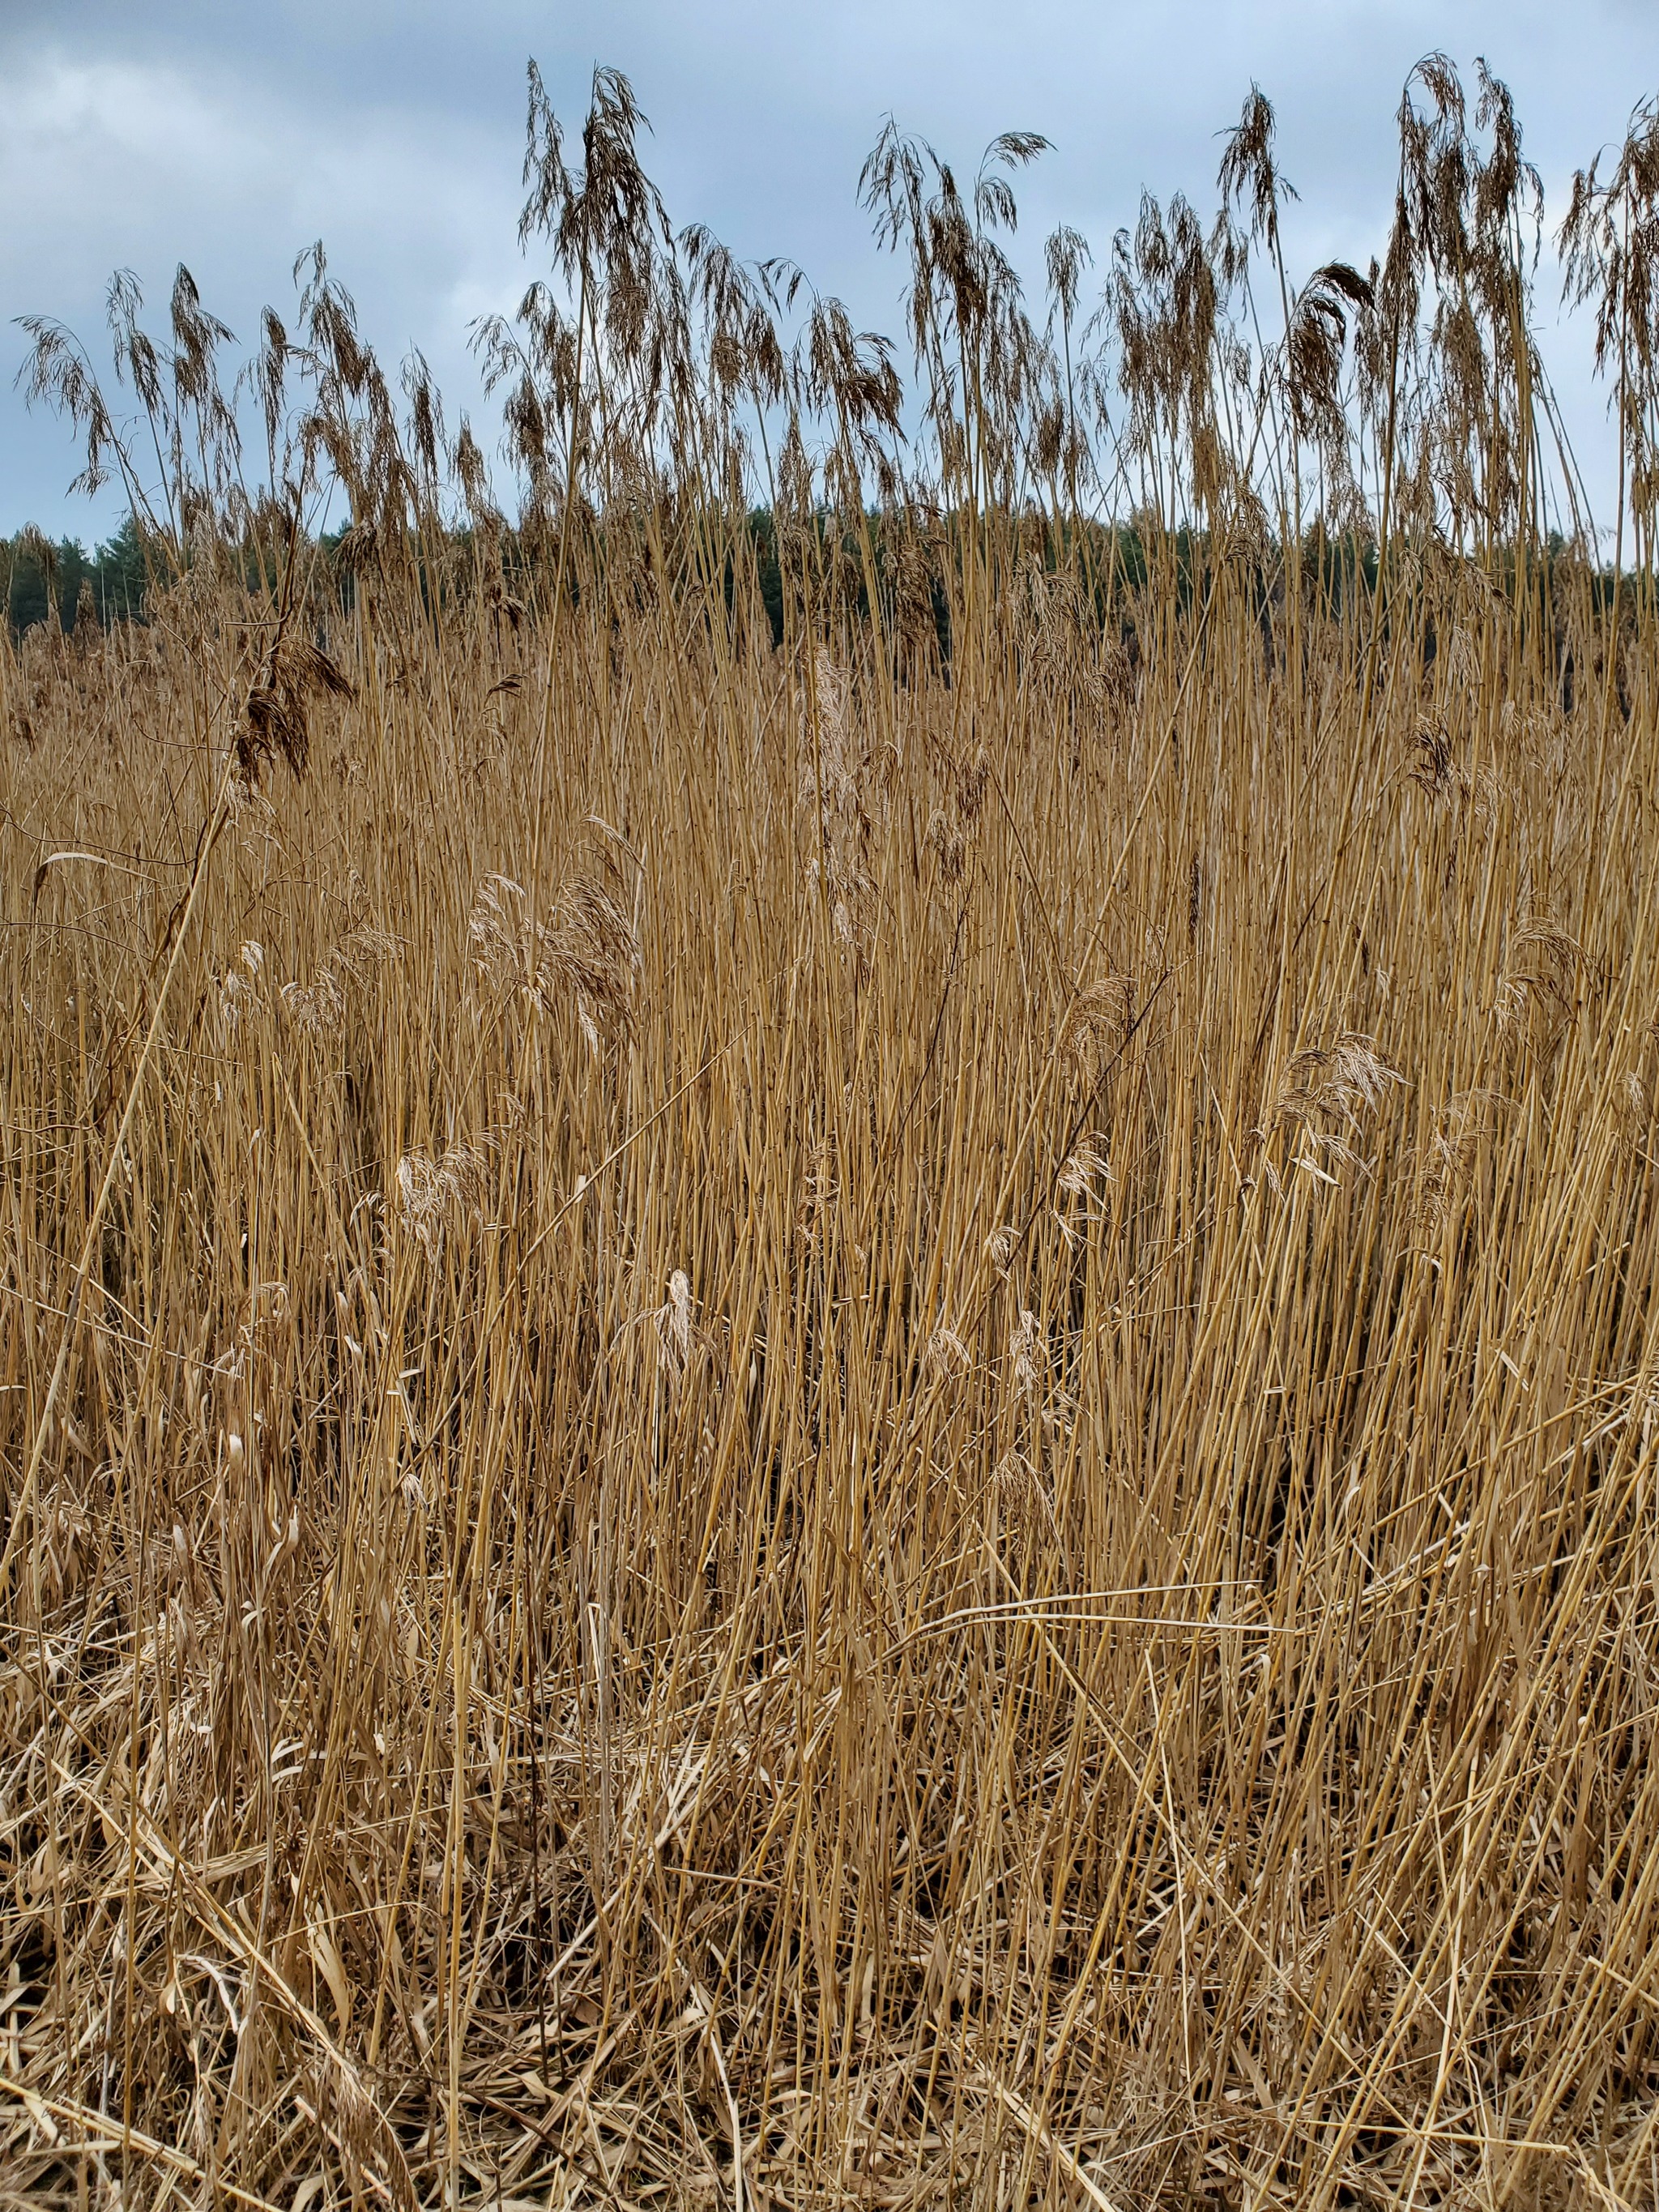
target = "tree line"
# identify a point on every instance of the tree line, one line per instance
(39, 577)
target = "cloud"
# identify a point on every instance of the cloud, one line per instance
(131, 165)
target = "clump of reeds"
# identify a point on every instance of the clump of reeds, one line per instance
(830, 1370)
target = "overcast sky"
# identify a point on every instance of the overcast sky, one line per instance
(229, 136)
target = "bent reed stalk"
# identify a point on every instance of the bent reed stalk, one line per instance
(850, 1395)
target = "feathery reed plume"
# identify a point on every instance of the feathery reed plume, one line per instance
(436, 1195)
(587, 955)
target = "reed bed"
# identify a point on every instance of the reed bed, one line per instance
(863, 1417)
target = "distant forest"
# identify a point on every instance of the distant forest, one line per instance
(110, 582)
(35, 573)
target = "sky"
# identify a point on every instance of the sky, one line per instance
(229, 136)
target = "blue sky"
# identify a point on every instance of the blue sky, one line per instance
(229, 136)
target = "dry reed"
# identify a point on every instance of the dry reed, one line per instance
(843, 1429)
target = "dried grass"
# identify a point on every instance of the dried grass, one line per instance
(927, 1480)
